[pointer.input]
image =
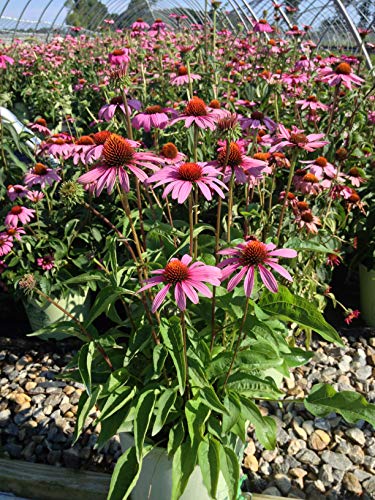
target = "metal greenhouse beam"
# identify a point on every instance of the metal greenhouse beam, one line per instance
(354, 32)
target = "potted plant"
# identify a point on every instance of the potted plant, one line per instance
(364, 255)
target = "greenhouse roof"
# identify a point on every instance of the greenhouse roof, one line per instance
(334, 23)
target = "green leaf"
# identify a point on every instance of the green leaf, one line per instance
(116, 400)
(110, 426)
(230, 468)
(158, 358)
(232, 403)
(265, 427)
(209, 398)
(172, 338)
(209, 463)
(250, 385)
(165, 404)
(308, 245)
(176, 436)
(184, 461)
(196, 415)
(293, 308)
(115, 380)
(125, 475)
(105, 298)
(85, 405)
(85, 358)
(142, 418)
(323, 399)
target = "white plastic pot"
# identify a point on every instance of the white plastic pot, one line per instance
(155, 481)
(367, 291)
(44, 314)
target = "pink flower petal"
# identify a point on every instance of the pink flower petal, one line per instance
(159, 298)
(268, 279)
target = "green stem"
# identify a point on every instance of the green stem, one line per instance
(239, 340)
(287, 191)
(230, 206)
(184, 339)
(191, 225)
(128, 122)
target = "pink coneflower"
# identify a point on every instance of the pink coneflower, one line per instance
(140, 25)
(35, 196)
(15, 232)
(46, 263)
(151, 117)
(343, 73)
(296, 138)
(182, 77)
(354, 200)
(262, 26)
(99, 139)
(242, 165)
(321, 167)
(182, 178)
(19, 214)
(81, 147)
(40, 174)
(196, 113)
(351, 315)
(58, 145)
(118, 155)
(256, 120)
(119, 57)
(187, 280)
(251, 255)
(6, 244)
(170, 154)
(4, 60)
(333, 260)
(40, 125)
(107, 112)
(307, 183)
(311, 102)
(295, 31)
(16, 191)
(355, 177)
(306, 219)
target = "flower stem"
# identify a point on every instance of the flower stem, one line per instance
(191, 225)
(184, 337)
(239, 341)
(126, 207)
(195, 144)
(128, 122)
(290, 177)
(230, 206)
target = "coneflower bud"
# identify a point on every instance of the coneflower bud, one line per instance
(71, 193)
(341, 154)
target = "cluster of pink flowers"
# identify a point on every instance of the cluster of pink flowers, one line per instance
(188, 279)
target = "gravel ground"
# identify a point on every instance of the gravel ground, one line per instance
(316, 458)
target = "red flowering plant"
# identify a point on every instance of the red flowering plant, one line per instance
(223, 204)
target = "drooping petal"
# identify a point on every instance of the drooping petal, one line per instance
(268, 279)
(280, 269)
(236, 279)
(249, 281)
(180, 297)
(190, 292)
(160, 296)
